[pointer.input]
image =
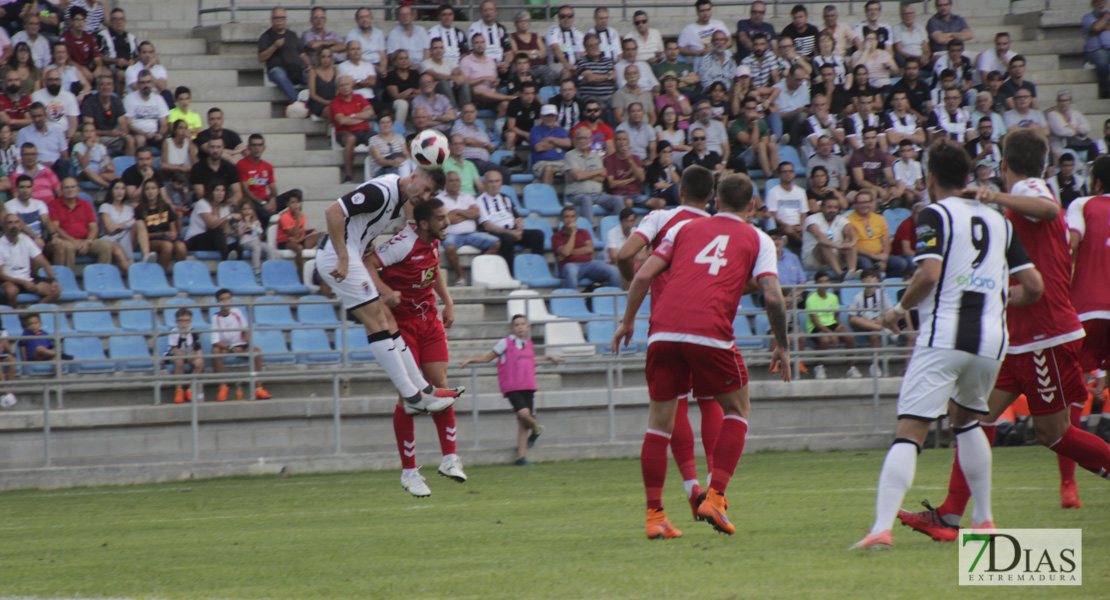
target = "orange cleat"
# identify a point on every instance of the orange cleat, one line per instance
(221, 395)
(189, 395)
(987, 525)
(874, 540)
(1069, 495)
(238, 394)
(712, 509)
(261, 394)
(930, 523)
(802, 367)
(775, 368)
(658, 527)
(179, 396)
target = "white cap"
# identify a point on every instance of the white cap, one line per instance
(548, 109)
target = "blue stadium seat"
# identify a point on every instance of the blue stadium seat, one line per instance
(138, 320)
(273, 312)
(747, 303)
(763, 327)
(280, 277)
(85, 348)
(206, 255)
(148, 280)
(772, 182)
(99, 321)
(237, 276)
(790, 154)
(27, 298)
(846, 295)
(358, 348)
(548, 92)
(48, 318)
(10, 321)
(894, 218)
(607, 222)
(742, 331)
(542, 225)
(71, 292)
(510, 192)
(312, 347)
(603, 305)
(601, 333)
(532, 270)
(541, 198)
(526, 177)
(192, 277)
(272, 340)
(569, 308)
(131, 353)
(169, 311)
(587, 224)
(122, 163)
(316, 314)
(105, 282)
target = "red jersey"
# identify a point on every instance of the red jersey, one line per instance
(410, 266)
(82, 47)
(339, 106)
(1052, 320)
(711, 261)
(654, 228)
(1090, 292)
(256, 176)
(16, 109)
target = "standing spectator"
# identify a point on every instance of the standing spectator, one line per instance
(82, 46)
(211, 223)
(566, 46)
(448, 79)
(824, 324)
(874, 10)
(321, 83)
(630, 93)
(60, 105)
(117, 216)
(318, 36)
(371, 42)
(105, 110)
(628, 58)
(574, 253)
(746, 29)
(549, 144)
(118, 48)
(214, 167)
(14, 104)
(872, 171)
(516, 374)
(751, 140)
(610, 40)
(498, 44)
(1067, 127)
(641, 136)
(865, 312)
(256, 179)
(466, 169)
(76, 233)
(350, 117)
(1065, 185)
(387, 149)
(453, 39)
(1096, 45)
(625, 174)
(498, 216)
(292, 233)
(787, 204)
(908, 172)
(51, 143)
(462, 216)
(829, 242)
(996, 59)
(686, 79)
(873, 238)
(233, 143)
(183, 99)
(281, 51)
(91, 161)
(842, 34)
(437, 108)
(696, 39)
(401, 85)
(944, 27)
(596, 74)
(161, 223)
(37, 43)
(586, 175)
(717, 66)
(179, 153)
(910, 40)
(1024, 115)
(412, 39)
(230, 336)
(146, 112)
(149, 61)
(481, 71)
(34, 213)
(478, 142)
(522, 115)
(136, 174)
(649, 41)
(47, 185)
(73, 79)
(799, 30)
(20, 261)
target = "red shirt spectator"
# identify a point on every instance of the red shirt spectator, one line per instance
(82, 46)
(74, 221)
(15, 108)
(352, 106)
(907, 231)
(600, 134)
(256, 176)
(285, 223)
(47, 184)
(619, 168)
(581, 238)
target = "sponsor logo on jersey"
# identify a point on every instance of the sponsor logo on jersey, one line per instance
(975, 281)
(358, 198)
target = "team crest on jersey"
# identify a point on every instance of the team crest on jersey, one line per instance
(358, 198)
(366, 286)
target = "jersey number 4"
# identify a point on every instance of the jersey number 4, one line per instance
(713, 254)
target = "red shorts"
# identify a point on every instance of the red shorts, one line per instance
(1095, 353)
(1050, 379)
(672, 366)
(425, 338)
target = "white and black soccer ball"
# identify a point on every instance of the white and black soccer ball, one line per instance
(429, 149)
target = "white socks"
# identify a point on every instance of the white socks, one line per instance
(975, 461)
(689, 485)
(389, 357)
(894, 481)
(416, 376)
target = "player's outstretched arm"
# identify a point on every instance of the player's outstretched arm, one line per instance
(1029, 288)
(641, 283)
(485, 358)
(775, 306)
(1036, 207)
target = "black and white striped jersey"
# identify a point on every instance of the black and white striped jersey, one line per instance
(978, 250)
(369, 208)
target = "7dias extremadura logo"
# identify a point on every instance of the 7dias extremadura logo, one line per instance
(1021, 557)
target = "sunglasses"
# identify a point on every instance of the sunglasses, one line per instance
(566, 16)
(698, 139)
(593, 110)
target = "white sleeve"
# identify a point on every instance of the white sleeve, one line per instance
(501, 346)
(553, 36)
(766, 262)
(71, 108)
(397, 248)
(855, 307)
(689, 38)
(1074, 217)
(772, 199)
(649, 226)
(613, 238)
(201, 207)
(163, 108)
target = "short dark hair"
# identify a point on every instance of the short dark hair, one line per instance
(425, 210)
(181, 90)
(214, 109)
(626, 212)
(515, 317)
(798, 8)
(1017, 58)
(701, 3)
(1066, 157)
(818, 168)
(183, 312)
(221, 292)
(696, 184)
(954, 43)
(529, 84)
(757, 36)
(22, 178)
(36, 106)
(77, 11)
(870, 272)
(904, 143)
(662, 145)
(735, 192)
(986, 120)
(1100, 171)
(437, 176)
(1024, 151)
(567, 208)
(912, 59)
(949, 163)
(821, 274)
(144, 149)
(25, 318)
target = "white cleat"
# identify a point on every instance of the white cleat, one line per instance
(8, 400)
(819, 372)
(437, 401)
(452, 469)
(414, 484)
(853, 373)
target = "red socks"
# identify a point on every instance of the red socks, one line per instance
(445, 426)
(682, 442)
(1067, 465)
(1085, 448)
(730, 445)
(958, 492)
(711, 416)
(653, 464)
(406, 442)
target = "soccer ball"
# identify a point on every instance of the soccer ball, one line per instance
(429, 149)
(296, 110)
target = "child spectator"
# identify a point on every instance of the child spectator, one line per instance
(291, 231)
(824, 323)
(250, 231)
(176, 192)
(867, 308)
(41, 345)
(91, 161)
(182, 99)
(516, 374)
(185, 345)
(7, 369)
(230, 336)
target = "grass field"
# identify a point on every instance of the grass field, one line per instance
(556, 530)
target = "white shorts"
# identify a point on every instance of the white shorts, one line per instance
(357, 289)
(937, 375)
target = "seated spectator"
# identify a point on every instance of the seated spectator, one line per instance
(574, 253)
(916, 91)
(437, 108)
(1102, 146)
(498, 216)
(47, 185)
(477, 142)
(318, 36)
(983, 111)
(909, 39)
(82, 45)
(801, 31)
(1065, 185)
(211, 222)
(872, 170)
(881, 67)
(586, 175)
(468, 172)
(361, 71)
(601, 135)
(763, 64)
(668, 131)
(321, 83)
(788, 57)
(984, 149)
(908, 172)
(905, 237)
(790, 270)
(161, 223)
(371, 40)
(136, 174)
(231, 337)
(629, 93)
(95, 13)
(147, 112)
(21, 62)
(1068, 128)
(105, 110)
(787, 204)
(482, 72)
(179, 153)
(716, 139)
(14, 104)
(903, 125)
(20, 261)
(839, 32)
(283, 55)
(993, 86)
(822, 123)
(617, 236)
(76, 233)
(91, 161)
(118, 48)
(829, 242)
(447, 78)
(995, 59)
(406, 37)
(52, 145)
(519, 74)
(861, 83)
(1096, 45)
(256, 180)
(176, 193)
(402, 85)
(1024, 115)
(873, 238)
(662, 179)
(523, 115)
(292, 232)
(819, 189)
(462, 214)
(793, 102)
(702, 156)
(38, 45)
(117, 216)
(250, 231)
(185, 345)
(824, 324)
(531, 45)
(720, 106)
(641, 136)
(864, 117)
(866, 310)
(825, 85)
(61, 105)
(596, 73)
(751, 140)
(985, 179)
(949, 120)
(41, 349)
(33, 213)
(549, 144)
(73, 79)
(954, 60)
(625, 174)
(149, 62)
(1017, 82)
(827, 54)
(350, 117)
(234, 146)
(630, 50)
(212, 168)
(718, 64)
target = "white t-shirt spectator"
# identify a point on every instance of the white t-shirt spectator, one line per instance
(788, 100)
(359, 72)
(58, 108)
(988, 61)
(144, 114)
(17, 257)
(697, 37)
(372, 45)
(788, 205)
(871, 307)
(1014, 120)
(131, 75)
(196, 223)
(907, 173)
(834, 231)
(614, 240)
(462, 202)
(32, 214)
(229, 329)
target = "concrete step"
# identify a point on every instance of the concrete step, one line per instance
(233, 111)
(265, 124)
(205, 78)
(279, 142)
(1027, 48)
(308, 177)
(251, 93)
(200, 60)
(167, 47)
(1066, 76)
(291, 156)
